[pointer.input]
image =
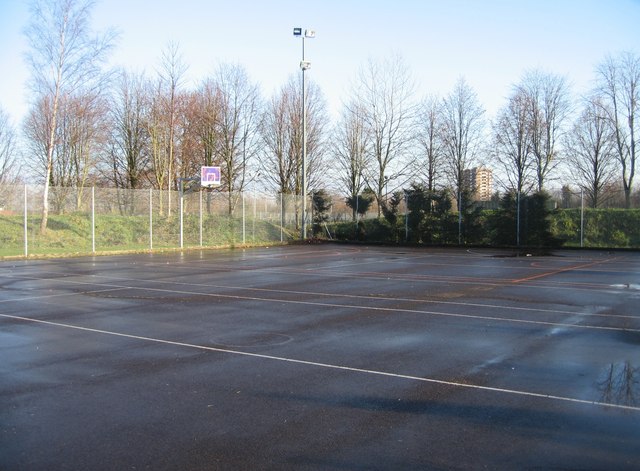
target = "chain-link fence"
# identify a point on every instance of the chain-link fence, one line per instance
(88, 220)
(572, 221)
(92, 220)
(604, 219)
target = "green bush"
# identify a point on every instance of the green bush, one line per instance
(535, 222)
(605, 228)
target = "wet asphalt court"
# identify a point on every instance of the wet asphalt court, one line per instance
(322, 357)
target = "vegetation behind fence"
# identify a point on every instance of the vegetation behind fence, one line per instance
(88, 220)
(95, 220)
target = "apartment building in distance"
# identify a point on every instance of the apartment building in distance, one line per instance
(480, 180)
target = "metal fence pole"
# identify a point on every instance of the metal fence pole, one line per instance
(200, 193)
(93, 219)
(406, 216)
(181, 218)
(150, 219)
(581, 218)
(26, 224)
(244, 221)
(518, 219)
(459, 216)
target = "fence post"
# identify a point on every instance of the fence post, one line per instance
(581, 218)
(459, 216)
(181, 218)
(281, 218)
(200, 192)
(518, 219)
(26, 224)
(93, 219)
(406, 216)
(244, 221)
(150, 219)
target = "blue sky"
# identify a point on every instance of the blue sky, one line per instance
(490, 43)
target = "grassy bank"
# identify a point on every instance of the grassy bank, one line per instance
(72, 234)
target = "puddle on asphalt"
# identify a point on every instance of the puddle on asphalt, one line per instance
(627, 286)
(630, 337)
(251, 339)
(619, 383)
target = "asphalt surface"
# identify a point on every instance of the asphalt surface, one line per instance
(321, 357)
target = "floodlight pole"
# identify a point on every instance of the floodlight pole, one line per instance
(304, 65)
(304, 148)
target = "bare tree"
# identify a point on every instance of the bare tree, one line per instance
(462, 132)
(279, 129)
(549, 106)
(429, 140)
(282, 135)
(36, 128)
(9, 168)
(172, 72)
(237, 126)
(513, 146)
(158, 129)
(385, 91)
(591, 151)
(512, 138)
(317, 122)
(64, 58)
(128, 157)
(189, 145)
(81, 135)
(207, 110)
(619, 84)
(349, 151)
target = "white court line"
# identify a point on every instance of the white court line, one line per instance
(58, 295)
(417, 278)
(335, 305)
(331, 366)
(381, 298)
(365, 297)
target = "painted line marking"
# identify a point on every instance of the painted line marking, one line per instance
(320, 272)
(370, 298)
(59, 295)
(330, 366)
(563, 270)
(115, 287)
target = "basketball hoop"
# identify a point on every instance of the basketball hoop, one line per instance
(209, 176)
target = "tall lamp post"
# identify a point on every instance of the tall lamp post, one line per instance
(304, 65)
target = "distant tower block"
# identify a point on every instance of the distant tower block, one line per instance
(480, 180)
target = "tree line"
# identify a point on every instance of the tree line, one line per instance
(91, 126)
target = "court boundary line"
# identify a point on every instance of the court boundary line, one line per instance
(446, 279)
(116, 279)
(432, 279)
(390, 298)
(563, 270)
(115, 287)
(364, 297)
(440, 382)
